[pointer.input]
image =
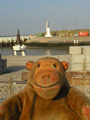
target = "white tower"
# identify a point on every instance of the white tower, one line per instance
(48, 30)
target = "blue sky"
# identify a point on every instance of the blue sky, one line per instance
(30, 16)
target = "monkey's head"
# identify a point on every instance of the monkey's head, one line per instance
(47, 76)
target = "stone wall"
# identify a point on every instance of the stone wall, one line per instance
(3, 64)
(80, 58)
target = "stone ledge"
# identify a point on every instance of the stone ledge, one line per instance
(75, 77)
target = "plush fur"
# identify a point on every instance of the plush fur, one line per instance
(47, 95)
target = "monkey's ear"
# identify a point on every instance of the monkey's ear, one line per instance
(65, 65)
(29, 65)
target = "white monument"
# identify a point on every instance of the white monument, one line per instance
(48, 30)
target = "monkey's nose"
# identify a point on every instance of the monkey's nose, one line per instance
(46, 77)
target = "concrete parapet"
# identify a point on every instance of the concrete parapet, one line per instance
(77, 63)
(87, 58)
(75, 50)
(80, 58)
(0, 66)
(3, 65)
(86, 50)
(0, 56)
(79, 50)
(77, 58)
(77, 67)
(80, 63)
(87, 66)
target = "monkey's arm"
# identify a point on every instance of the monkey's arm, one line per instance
(79, 103)
(10, 109)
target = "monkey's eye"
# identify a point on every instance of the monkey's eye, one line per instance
(38, 65)
(54, 65)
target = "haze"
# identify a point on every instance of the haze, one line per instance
(30, 16)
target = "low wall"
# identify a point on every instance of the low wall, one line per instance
(3, 64)
(80, 58)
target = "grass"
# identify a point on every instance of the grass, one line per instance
(56, 33)
(11, 86)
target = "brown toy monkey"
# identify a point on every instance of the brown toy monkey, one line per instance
(47, 95)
